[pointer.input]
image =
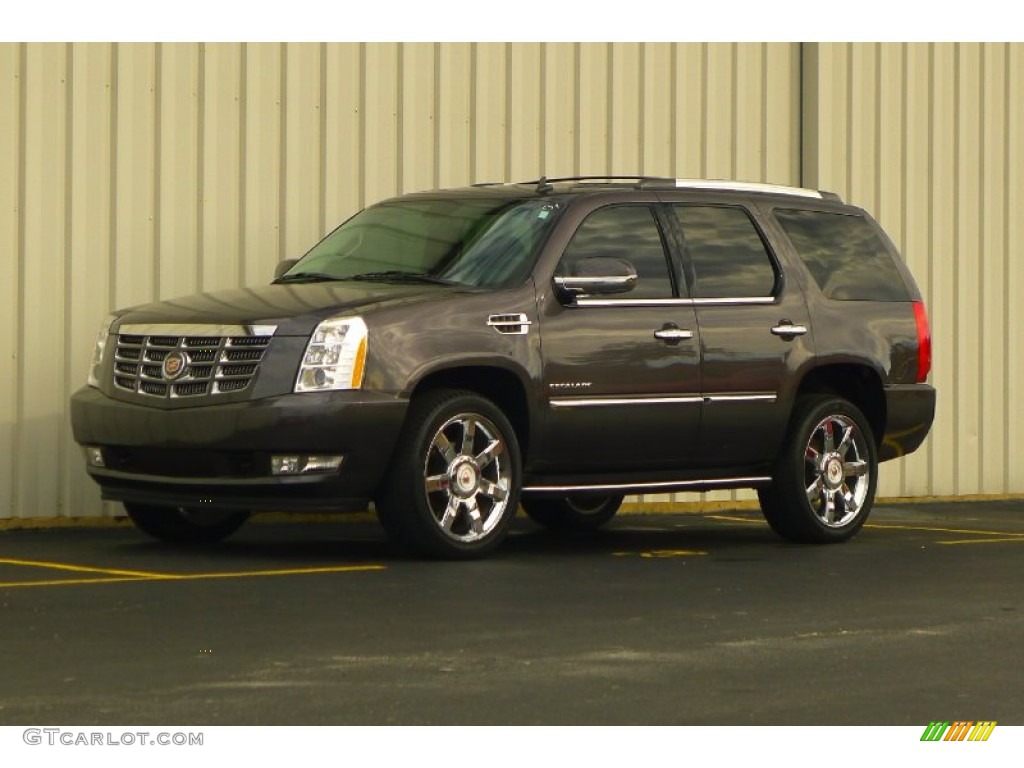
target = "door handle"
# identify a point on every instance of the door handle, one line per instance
(785, 328)
(673, 334)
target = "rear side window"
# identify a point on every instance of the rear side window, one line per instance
(728, 257)
(844, 255)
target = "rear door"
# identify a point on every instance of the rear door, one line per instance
(754, 332)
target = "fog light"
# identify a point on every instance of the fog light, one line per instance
(94, 455)
(285, 465)
(322, 463)
(304, 464)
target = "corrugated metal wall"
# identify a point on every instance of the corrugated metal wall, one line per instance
(132, 172)
(930, 138)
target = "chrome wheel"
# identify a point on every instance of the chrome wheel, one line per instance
(823, 482)
(453, 485)
(467, 477)
(838, 472)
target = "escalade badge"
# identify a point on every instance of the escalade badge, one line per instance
(175, 365)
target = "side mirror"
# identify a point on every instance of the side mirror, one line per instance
(284, 266)
(596, 276)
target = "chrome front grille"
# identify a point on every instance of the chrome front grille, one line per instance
(208, 361)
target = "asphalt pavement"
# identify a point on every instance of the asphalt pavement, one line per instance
(677, 619)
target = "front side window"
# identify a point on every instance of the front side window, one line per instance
(629, 233)
(729, 258)
(844, 255)
(481, 242)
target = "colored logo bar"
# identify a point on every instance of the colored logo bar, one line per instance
(961, 730)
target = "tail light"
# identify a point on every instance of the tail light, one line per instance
(924, 342)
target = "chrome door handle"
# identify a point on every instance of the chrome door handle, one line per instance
(673, 334)
(786, 328)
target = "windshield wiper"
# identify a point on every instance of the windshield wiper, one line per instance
(399, 276)
(307, 277)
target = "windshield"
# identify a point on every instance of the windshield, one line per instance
(479, 242)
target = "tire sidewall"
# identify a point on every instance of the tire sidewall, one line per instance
(407, 506)
(813, 412)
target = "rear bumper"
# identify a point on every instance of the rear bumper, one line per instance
(910, 410)
(219, 455)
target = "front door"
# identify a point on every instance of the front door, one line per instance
(622, 371)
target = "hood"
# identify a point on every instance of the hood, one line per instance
(295, 309)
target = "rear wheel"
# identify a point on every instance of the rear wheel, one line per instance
(573, 512)
(454, 484)
(185, 525)
(825, 478)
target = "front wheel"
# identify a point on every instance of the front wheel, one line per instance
(575, 512)
(185, 525)
(825, 478)
(454, 483)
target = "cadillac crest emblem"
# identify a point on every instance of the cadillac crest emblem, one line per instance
(174, 365)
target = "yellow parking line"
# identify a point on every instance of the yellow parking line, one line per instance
(117, 576)
(936, 529)
(81, 568)
(70, 582)
(730, 519)
(279, 572)
(1012, 537)
(989, 537)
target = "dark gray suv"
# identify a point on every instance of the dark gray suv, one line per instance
(559, 343)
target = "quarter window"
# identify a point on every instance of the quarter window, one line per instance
(630, 233)
(728, 256)
(844, 255)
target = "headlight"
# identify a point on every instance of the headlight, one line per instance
(97, 353)
(335, 357)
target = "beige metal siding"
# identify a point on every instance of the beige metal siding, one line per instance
(133, 172)
(10, 236)
(928, 138)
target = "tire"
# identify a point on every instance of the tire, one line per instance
(454, 482)
(825, 478)
(574, 513)
(181, 525)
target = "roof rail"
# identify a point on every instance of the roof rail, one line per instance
(543, 185)
(753, 186)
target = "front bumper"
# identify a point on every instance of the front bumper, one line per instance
(219, 455)
(910, 410)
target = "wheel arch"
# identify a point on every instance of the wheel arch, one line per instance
(857, 382)
(499, 384)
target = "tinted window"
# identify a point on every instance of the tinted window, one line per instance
(844, 255)
(484, 241)
(728, 257)
(628, 232)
